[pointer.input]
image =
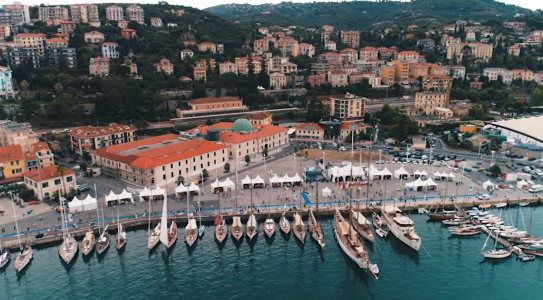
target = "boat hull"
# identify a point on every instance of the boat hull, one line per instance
(237, 232)
(221, 231)
(401, 233)
(101, 246)
(315, 230)
(284, 225)
(87, 245)
(438, 216)
(22, 260)
(68, 250)
(190, 236)
(4, 259)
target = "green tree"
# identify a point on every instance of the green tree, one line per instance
(536, 98)
(204, 174)
(180, 180)
(247, 159)
(264, 152)
(24, 86)
(495, 170)
(226, 167)
(83, 166)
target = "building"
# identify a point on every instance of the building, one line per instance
(455, 71)
(40, 155)
(306, 49)
(417, 70)
(99, 66)
(12, 161)
(55, 43)
(479, 51)
(186, 54)
(67, 27)
(87, 138)
(368, 53)
(132, 66)
(13, 133)
(212, 106)
(408, 56)
(156, 22)
(351, 38)
(35, 40)
(94, 37)
(228, 67)
(164, 65)
(348, 108)
(338, 78)
(388, 73)
(128, 33)
(349, 54)
(330, 45)
(7, 89)
(514, 49)
(114, 13)
(135, 13)
(262, 118)
(316, 79)
(289, 68)
(244, 62)
(68, 55)
(310, 131)
(522, 130)
(85, 13)
(109, 50)
(5, 31)
(18, 55)
(53, 12)
(288, 46)
(159, 160)
(277, 81)
(15, 14)
(49, 182)
(427, 102)
(199, 71)
(260, 46)
(350, 127)
(207, 46)
(246, 139)
(122, 24)
(387, 53)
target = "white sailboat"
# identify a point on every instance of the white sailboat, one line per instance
(284, 224)
(221, 229)
(237, 228)
(153, 233)
(103, 241)
(363, 225)
(191, 231)
(121, 233)
(24, 256)
(68, 248)
(168, 236)
(201, 228)
(87, 245)
(401, 226)
(252, 227)
(299, 227)
(269, 227)
(4, 257)
(495, 253)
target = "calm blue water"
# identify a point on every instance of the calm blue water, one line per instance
(445, 268)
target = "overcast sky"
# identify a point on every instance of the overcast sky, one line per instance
(532, 4)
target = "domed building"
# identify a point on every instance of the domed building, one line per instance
(242, 126)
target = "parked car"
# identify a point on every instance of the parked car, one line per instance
(380, 162)
(484, 197)
(82, 187)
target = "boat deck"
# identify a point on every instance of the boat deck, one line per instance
(503, 242)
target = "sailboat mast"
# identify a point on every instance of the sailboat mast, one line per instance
(351, 196)
(302, 187)
(317, 197)
(251, 208)
(219, 194)
(358, 210)
(149, 223)
(368, 177)
(236, 186)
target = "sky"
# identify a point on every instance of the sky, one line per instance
(201, 4)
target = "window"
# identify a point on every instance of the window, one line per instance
(45, 185)
(171, 166)
(163, 168)
(57, 181)
(208, 155)
(208, 164)
(179, 164)
(202, 166)
(69, 179)
(164, 176)
(172, 175)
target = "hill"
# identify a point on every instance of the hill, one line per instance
(367, 14)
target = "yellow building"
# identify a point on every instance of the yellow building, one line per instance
(12, 161)
(348, 127)
(310, 131)
(351, 38)
(408, 56)
(467, 128)
(36, 40)
(480, 51)
(262, 118)
(288, 46)
(388, 73)
(47, 182)
(427, 102)
(200, 70)
(277, 80)
(164, 66)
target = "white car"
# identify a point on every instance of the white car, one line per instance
(379, 161)
(455, 170)
(342, 148)
(484, 197)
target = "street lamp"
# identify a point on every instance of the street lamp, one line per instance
(479, 152)
(492, 159)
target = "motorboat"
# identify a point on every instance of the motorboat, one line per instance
(401, 226)
(4, 257)
(500, 205)
(269, 227)
(522, 204)
(497, 253)
(456, 221)
(381, 228)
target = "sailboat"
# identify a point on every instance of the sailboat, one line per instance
(24, 256)
(87, 245)
(201, 228)
(284, 223)
(168, 235)
(68, 248)
(191, 231)
(103, 241)
(299, 227)
(121, 233)
(363, 226)
(401, 226)
(237, 228)
(153, 234)
(269, 227)
(4, 257)
(252, 225)
(495, 253)
(315, 228)
(221, 229)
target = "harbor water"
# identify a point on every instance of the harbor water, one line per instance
(445, 268)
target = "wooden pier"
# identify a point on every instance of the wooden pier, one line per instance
(503, 242)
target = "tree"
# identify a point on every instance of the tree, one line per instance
(204, 174)
(495, 170)
(209, 122)
(180, 180)
(24, 86)
(265, 152)
(226, 167)
(83, 166)
(247, 159)
(61, 169)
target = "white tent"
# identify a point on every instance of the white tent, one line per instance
(194, 188)
(111, 197)
(415, 184)
(246, 180)
(125, 195)
(451, 176)
(89, 203)
(275, 180)
(215, 184)
(417, 173)
(296, 178)
(430, 183)
(385, 172)
(521, 184)
(401, 172)
(181, 189)
(145, 192)
(158, 191)
(228, 184)
(258, 180)
(488, 184)
(75, 205)
(285, 178)
(423, 174)
(326, 192)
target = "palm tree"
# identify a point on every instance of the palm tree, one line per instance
(24, 86)
(60, 169)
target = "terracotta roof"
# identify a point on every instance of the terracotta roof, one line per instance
(260, 116)
(337, 72)
(93, 131)
(46, 173)
(213, 100)
(309, 126)
(348, 50)
(187, 50)
(408, 52)
(56, 40)
(36, 147)
(94, 32)
(264, 131)
(206, 44)
(100, 59)
(29, 35)
(185, 78)
(109, 43)
(203, 128)
(127, 29)
(368, 48)
(161, 150)
(11, 153)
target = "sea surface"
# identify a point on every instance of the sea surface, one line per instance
(445, 268)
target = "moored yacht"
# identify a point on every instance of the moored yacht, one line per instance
(401, 226)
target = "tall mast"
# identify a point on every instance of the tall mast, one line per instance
(251, 194)
(358, 210)
(351, 196)
(302, 187)
(236, 186)
(219, 194)
(16, 224)
(368, 177)
(317, 196)
(150, 210)
(188, 196)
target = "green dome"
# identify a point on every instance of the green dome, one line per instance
(242, 125)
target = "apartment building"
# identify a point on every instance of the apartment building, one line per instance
(12, 162)
(351, 38)
(348, 108)
(427, 102)
(93, 37)
(228, 67)
(277, 81)
(5, 31)
(67, 27)
(89, 138)
(7, 89)
(34, 40)
(159, 160)
(99, 66)
(310, 131)
(199, 70)
(351, 127)
(164, 65)
(53, 55)
(212, 106)
(15, 14)
(39, 156)
(368, 53)
(349, 54)
(48, 182)
(338, 78)
(18, 55)
(114, 13)
(458, 71)
(85, 13)
(207, 46)
(330, 45)
(409, 56)
(260, 46)
(243, 64)
(53, 12)
(156, 22)
(128, 33)
(109, 50)
(306, 49)
(135, 13)
(481, 52)
(186, 54)
(288, 46)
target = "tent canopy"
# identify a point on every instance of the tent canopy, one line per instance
(194, 188)
(246, 180)
(181, 189)
(296, 178)
(326, 192)
(521, 184)
(124, 195)
(275, 179)
(111, 197)
(400, 172)
(89, 203)
(430, 182)
(145, 192)
(157, 191)
(258, 180)
(487, 184)
(215, 184)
